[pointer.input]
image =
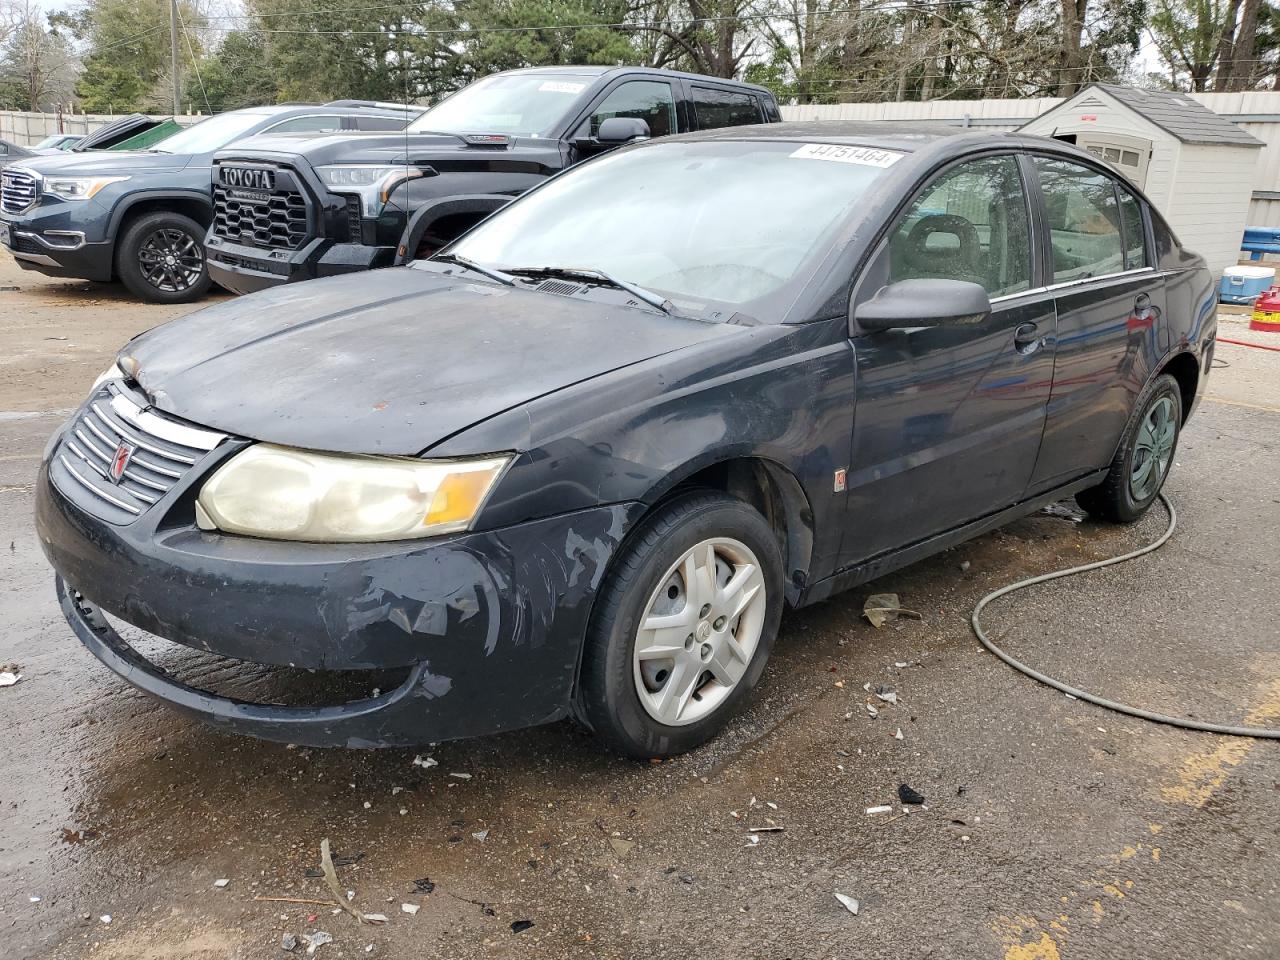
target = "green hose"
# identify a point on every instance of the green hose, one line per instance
(1093, 698)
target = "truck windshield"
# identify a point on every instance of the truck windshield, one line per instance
(730, 221)
(522, 105)
(209, 135)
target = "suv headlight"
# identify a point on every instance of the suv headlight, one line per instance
(372, 183)
(76, 188)
(285, 494)
(113, 372)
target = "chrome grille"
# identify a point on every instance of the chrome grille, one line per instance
(18, 191)
(125, 458)
(275, 221)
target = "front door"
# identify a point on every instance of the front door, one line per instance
(948, 420)
(1108, 298)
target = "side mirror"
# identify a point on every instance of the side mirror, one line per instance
(924, 303)
(619, 130)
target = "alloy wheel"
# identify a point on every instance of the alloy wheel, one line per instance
(1152, 448)
(171, 260)
(699, 632)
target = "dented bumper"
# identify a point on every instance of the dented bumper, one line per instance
(490, 625)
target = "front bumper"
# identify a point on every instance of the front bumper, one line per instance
(489, 625)
(243, 269)
(60, 254)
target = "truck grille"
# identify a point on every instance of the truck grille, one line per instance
(354, 210)
(17, 191)
(125, 458)
(275, 221)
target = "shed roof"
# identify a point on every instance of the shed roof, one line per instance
(1175, 113)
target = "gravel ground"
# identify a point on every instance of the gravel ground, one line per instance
(1051, 830)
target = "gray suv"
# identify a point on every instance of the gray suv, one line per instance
(140, 216)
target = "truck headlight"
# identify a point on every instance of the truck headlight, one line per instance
(76, 188)
(372, 183)
(285, 494)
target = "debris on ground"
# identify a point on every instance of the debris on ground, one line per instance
(1065, 510)
(9, 677)
(33, 899)
(753, 840)
(461, 776)
(317, 940)
(909, 796)
(872, 711)
(520, 926)
(105, 918)
(376, 917)
(898, 735)
(425, 762)
(331, 880)
(882, 808)
(850, 904)
(620, 846)
(410, 908)
(880, 608)
(424, 885)
(885, 694)
(481, 835)
(964, 566)
(288, 942)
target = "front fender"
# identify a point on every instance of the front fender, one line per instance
(433, 211)
(121, 210)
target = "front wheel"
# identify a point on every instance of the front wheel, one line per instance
(683, 626)
(1142, 462)
(160, 258)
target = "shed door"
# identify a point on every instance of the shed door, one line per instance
(1129, 155)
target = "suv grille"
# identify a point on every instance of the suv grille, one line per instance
(17, 191)
(126, 458)
(276, 222)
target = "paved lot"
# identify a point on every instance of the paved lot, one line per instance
(1052, 829)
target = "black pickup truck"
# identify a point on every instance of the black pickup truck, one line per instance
(359, 202)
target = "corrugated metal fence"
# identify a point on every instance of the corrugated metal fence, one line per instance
(25, 129)
(1258, 113)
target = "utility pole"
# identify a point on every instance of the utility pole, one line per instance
(173, 57)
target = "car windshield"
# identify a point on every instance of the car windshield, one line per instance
(521, 104)
(208, 135)
(726, 221)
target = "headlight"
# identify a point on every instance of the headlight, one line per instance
(372, 183)
(113, 372)
(76, 188)
(285, 494)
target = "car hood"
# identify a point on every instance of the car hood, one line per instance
(391, 362)
(382, 147)
(94, 163)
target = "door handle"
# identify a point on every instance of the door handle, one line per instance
(1026, 336)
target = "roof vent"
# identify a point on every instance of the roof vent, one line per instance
(561, 288)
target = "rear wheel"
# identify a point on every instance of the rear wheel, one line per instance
(1142, 462)
(683, 627)
(160, 258)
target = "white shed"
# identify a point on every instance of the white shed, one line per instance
(1195, 166)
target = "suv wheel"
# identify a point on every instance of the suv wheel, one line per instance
(160, 258)
(683, 626)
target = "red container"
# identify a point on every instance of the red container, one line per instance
(1266, 311)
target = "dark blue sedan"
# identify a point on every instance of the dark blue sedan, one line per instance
(580, 461)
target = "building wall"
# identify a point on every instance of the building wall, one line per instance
(24, 128)
(1209, 201)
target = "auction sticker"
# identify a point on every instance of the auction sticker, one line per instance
(561, 86)
(864, 156)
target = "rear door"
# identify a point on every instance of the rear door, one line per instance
(1108, 296)
(948, 419)
(716, 107)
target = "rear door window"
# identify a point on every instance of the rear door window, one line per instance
(1135, 234)
(1083, 220)
(647, 100)
(380, 123)
(723, 108)
(307, 125)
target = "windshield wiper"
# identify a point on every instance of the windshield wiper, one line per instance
(599, 276)
(492, 274)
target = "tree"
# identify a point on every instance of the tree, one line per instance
(1188, 34)
(37, 63)
(127, 59)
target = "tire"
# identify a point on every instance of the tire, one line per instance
(1128, 491)
(142, 265)
(623, 695)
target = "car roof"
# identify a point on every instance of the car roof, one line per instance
(600, 71)
(908, 137)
